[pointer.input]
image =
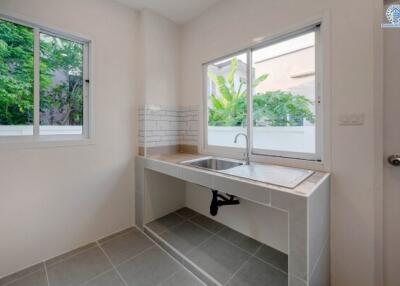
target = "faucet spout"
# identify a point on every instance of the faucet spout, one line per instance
(247, 155)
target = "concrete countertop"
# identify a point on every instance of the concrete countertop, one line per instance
(305, 188)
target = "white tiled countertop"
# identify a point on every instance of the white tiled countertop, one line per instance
(305, 188)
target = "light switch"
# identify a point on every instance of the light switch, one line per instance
(351, 119)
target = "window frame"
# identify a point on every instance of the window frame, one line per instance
(317, 156)
(87, 126)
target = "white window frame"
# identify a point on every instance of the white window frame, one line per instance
(317, 156)
(87, 126)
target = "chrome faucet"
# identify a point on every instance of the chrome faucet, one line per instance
(247, 154)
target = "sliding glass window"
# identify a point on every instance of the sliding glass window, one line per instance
(227, 100)
(282, 104)
(44, 82)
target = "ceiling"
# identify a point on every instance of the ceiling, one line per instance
(179, 11)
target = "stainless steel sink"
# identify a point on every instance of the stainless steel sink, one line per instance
(270, 174)
(212, 163)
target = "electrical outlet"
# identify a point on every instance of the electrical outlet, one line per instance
(351, 119)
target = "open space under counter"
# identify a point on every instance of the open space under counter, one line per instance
(292, 222)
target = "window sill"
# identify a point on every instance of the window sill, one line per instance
(29, 142)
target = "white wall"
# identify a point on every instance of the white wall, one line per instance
(265, 224)
(164, 195)
(53, 200)
(160, 53)
(232, 25)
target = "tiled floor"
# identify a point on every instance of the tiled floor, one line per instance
(128, 258)
(226, 255)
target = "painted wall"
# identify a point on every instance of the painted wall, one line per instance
(53, 200)
(160, 57)
(232, 25)
(264, 224)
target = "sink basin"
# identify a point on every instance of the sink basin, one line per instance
(270, 174)
(212, 163)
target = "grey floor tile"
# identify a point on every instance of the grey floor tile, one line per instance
(162, 224)
(207, 279)
(257, 273)
(149, 268)
(37, 278)
(125, 246)
(110, 278)
(79, 268)
(182, 278)
(22, 273)
(167, 247)
(246, 243)
(114, 235)
(185, 236)
(274, 257)
(209, 224)
(218, 258)
(186, 213)
(70, 254)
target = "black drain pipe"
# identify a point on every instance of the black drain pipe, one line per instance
(219, 200)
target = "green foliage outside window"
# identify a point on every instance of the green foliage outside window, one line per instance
(272, 108)
(61, 101)
(16, 74)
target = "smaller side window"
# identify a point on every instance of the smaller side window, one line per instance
(43, 82)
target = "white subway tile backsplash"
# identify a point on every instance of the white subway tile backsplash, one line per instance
(168, 125)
